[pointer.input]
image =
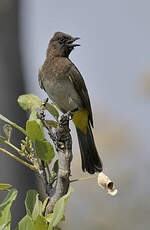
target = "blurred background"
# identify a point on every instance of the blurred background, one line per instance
(114, 59)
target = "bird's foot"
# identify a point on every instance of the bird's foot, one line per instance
(41, 114)
(66, 117)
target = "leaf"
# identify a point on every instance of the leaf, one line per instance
(44, 150)
(2, 139)
(45, 204)
(7, 130)
(33, 204)
(34, 130)
(26, 223)
(12, 123)
(59, 209)
(5, 226)
(33, 115)
(4, 186)
(5, 119)
(52, 123)
(49, 217)
(63, 219)
(29, 101)
(55, 167)
(40, 223)
(52, 110)
(50, 227)
(5, 215)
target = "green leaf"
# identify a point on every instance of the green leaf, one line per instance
(52, 110)
(5, 226)
(59, 209)
(34, 130)
(45, 204)
(2, 139)
(26, 223)
(7, 130)
(52, 123)
(33, 204)
(49, 217)
(58, 228)
(50, 227)
(33, 115)
(44, 150)
(29, 101)
(5, 215)
(4, 186)
(55, 167)
(12, 123)
(40, 223)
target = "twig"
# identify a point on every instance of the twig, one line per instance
(18, 159)
(45, 177)
(41, 116)
(83, 178)
(13, 146)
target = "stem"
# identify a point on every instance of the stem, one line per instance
(13, 124)
(49, 174)
(83, 178)
(13, 146)
(20, 129)
(18, 159)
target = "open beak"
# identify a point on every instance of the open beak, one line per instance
(71, 43)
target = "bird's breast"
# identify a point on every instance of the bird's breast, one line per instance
(63, 94)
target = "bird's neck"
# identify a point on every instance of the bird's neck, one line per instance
(53, 52)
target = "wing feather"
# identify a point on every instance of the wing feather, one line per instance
(79, 84)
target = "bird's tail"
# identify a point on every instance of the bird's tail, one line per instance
(91, 161)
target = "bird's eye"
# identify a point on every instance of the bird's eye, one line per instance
(62, 40)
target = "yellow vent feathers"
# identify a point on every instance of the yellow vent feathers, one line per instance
(80, 119)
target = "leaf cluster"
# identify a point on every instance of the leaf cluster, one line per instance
(35, 144)
(36, 151)
(35, 209)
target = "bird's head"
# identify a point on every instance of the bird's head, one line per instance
(62, 44)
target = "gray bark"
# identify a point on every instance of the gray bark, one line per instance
(64, 149)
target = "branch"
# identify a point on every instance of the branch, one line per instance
(18, 159)
(63, 144)
(83, 178)
(64, 149)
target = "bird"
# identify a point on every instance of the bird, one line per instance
(66, 88)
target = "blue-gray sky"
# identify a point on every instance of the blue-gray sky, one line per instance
(114, 53)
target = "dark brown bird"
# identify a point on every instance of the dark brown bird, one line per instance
(65, 86)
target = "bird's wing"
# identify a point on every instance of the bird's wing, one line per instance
(40, 79)
(79, 84)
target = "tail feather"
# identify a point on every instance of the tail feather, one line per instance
(90, 159)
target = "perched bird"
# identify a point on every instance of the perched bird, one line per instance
(65, 86)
